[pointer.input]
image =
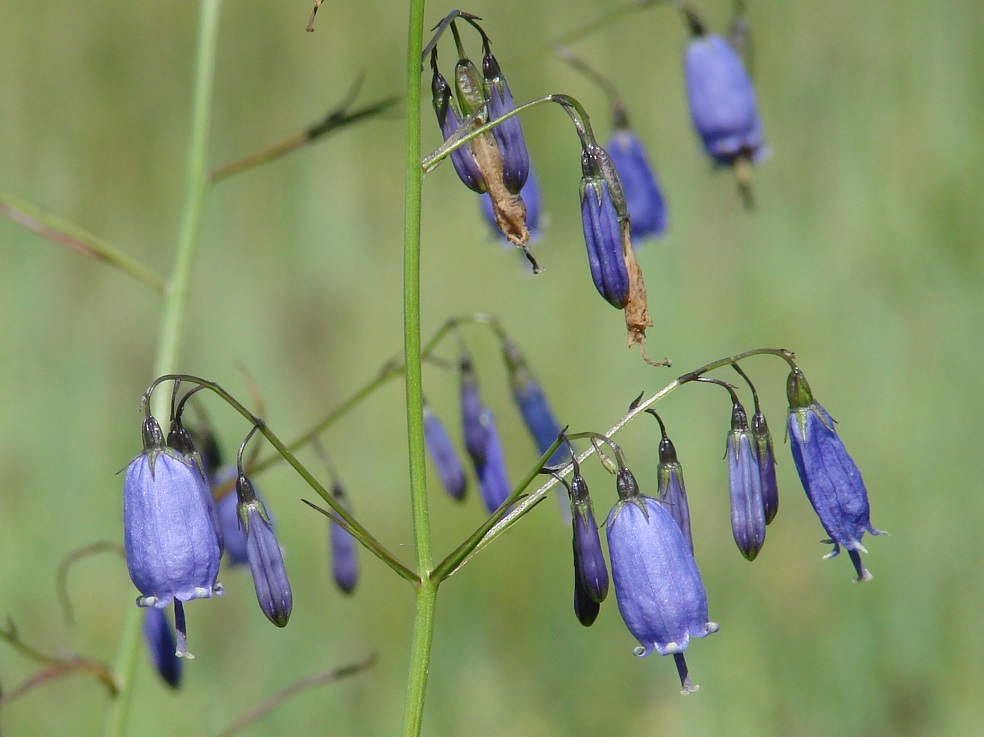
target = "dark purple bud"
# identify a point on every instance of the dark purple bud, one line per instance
(643, 198)
(450, 119)
(603, 238)
(745, 484)
(266, 560)
(509, 133)
(672, 490)
(344, 562)
(493, 480)
(830, 477)
(528, 395)
(172, 549)
(766, 457)
(722, 101)
(442, 453)
(589, 561)
(161, 645)
(532, 198)
(476, 435)
(659, 590)
(586, 609)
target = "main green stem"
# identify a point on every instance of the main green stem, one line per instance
(175, 306)
(426, 591)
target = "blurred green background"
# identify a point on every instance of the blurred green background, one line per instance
(864, 256)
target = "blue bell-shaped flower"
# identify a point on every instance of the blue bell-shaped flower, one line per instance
(830, 477)
(660, 593)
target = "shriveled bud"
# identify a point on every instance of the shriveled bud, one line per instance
(830, 477)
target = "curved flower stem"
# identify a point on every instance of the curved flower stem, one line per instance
(175, 304)
(638, 408)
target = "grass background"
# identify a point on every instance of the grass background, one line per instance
(864, 257)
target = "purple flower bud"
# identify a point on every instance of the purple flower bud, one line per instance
(659, 590)
(508, 134)
(586, 609)
(603, 238)
(672, 491)
(745, 484)
(172, 550)
(266, 560)
(476, 435)
(766, 457)
(442, 453)
(344, 563)
(589, 561)
(830, 477)
(531, 197)
(449, 119)
(643, 198)
(722, 101)
(161, 645)
(528, 395)
(493, 480)
(227, 508)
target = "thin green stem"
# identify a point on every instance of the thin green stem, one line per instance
(71, 236)
(423, 621)
(175, 305)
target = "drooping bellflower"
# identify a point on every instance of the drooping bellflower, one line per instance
(722, 99)
(442, 453)
(172, 548)
(643, 197)
(602, 224)
(830, 477)
(266, 560)
(660, 594)
(745, 487)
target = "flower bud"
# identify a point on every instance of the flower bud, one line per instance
(161, 645)
(509, 133)
(672, 491)
(722, 101)
(442, 453)
(643, 198)
(766, 457)
(449, 119)
(344, 562)
(659, 590)
(603, 231)
(476, 434)
(493, 480)
(745, 484)
(829, 475)
(589, 561)
(528, 395)
(266, 560)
